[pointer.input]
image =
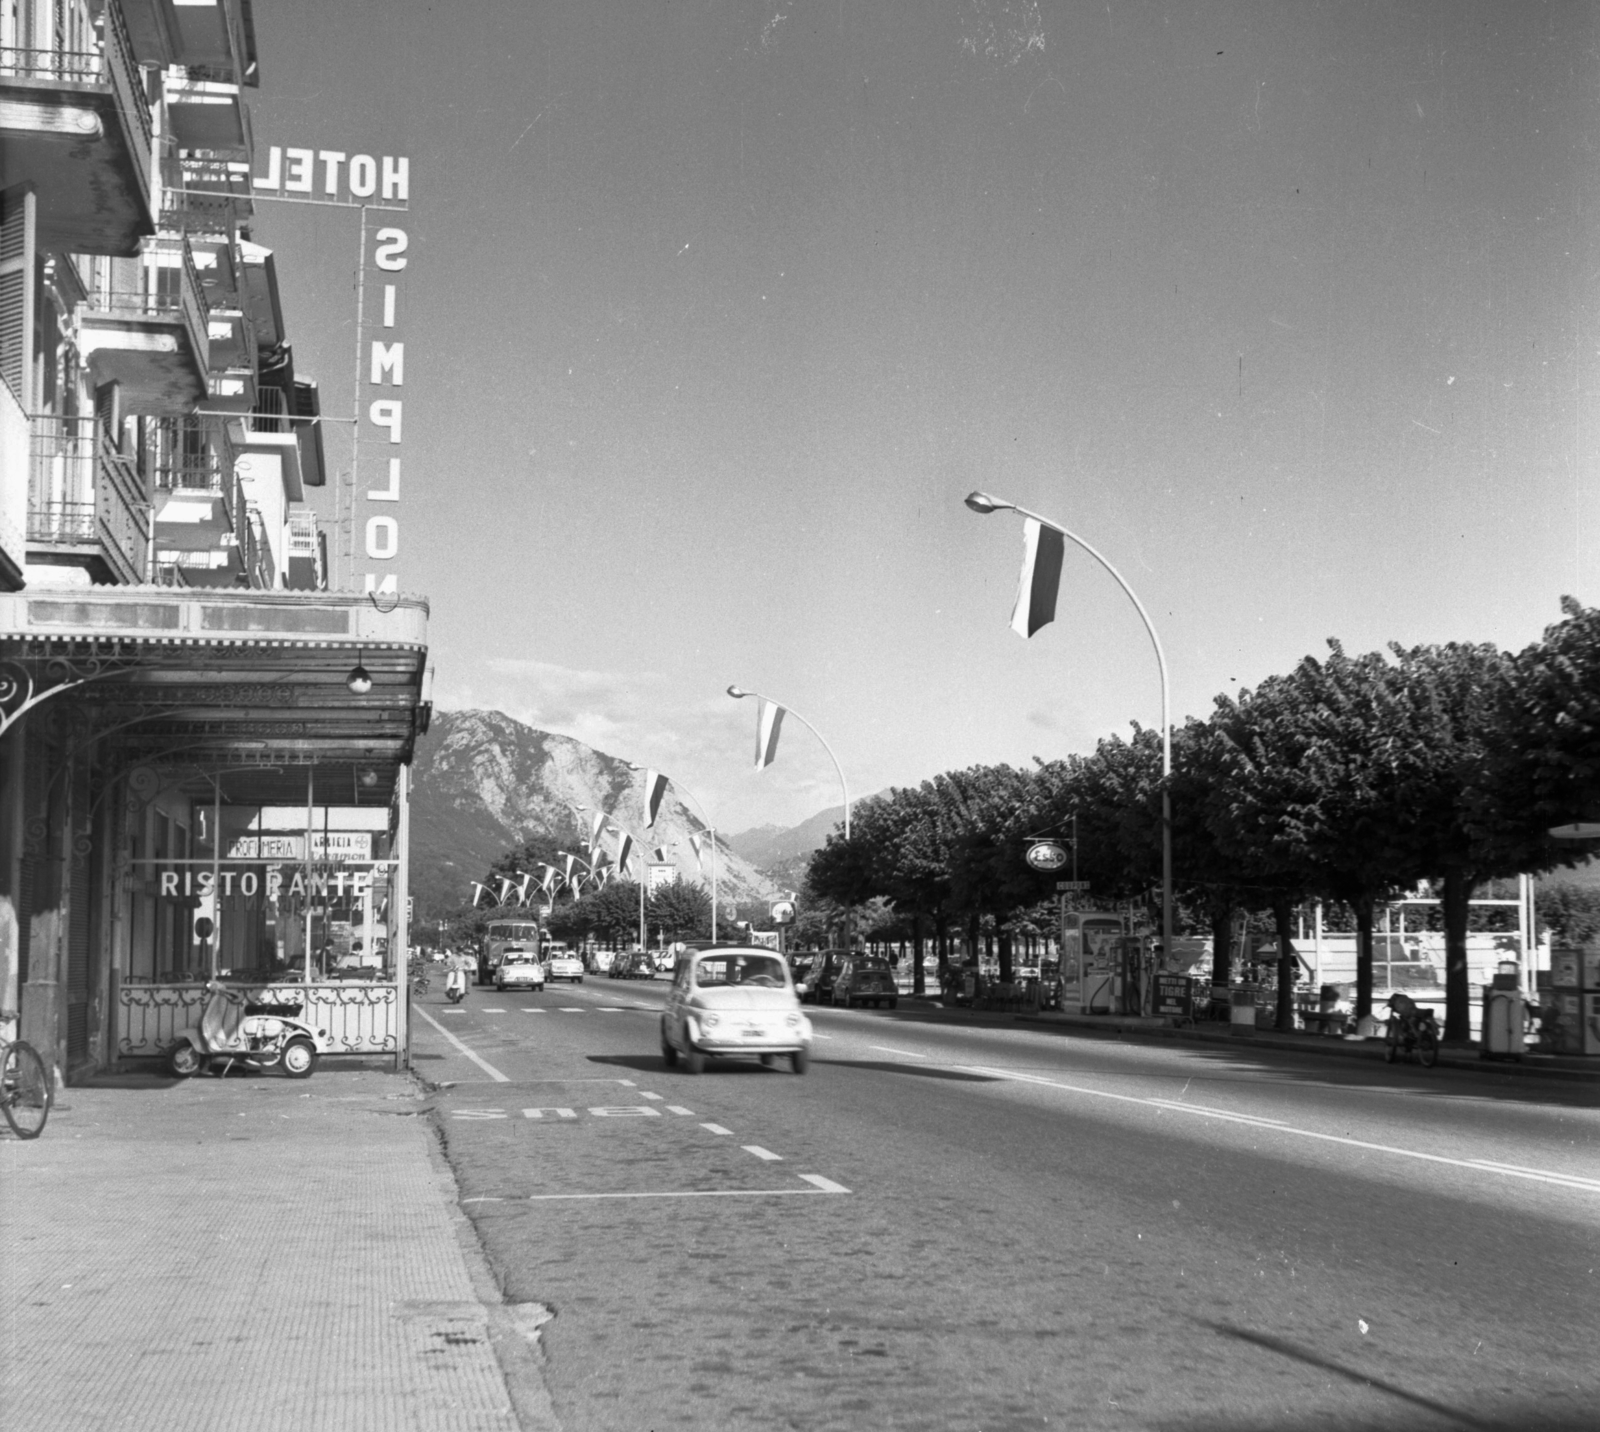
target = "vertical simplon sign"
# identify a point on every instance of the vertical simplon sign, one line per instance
(380, 187)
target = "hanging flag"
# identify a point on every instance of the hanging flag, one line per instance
(768, 724)
(1042, 551)
(506, 886)
(522, 889)
(694, 844)
(545, 880)
(655, 786)
(595, 827)
(624, 846)
(571, 861)
(478, 892)
(661, 855)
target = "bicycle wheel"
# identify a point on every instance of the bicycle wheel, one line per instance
(25, 1091)
(1427, 1047)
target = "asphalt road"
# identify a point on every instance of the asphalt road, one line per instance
(971, 1225)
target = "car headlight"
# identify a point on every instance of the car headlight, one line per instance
(792, 1020)
(709, 1020)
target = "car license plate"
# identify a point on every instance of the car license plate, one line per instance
(752, 1033)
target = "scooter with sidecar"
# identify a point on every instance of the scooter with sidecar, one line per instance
(233, 1029)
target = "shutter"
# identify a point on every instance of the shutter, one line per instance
(18, 246)
(80, 896)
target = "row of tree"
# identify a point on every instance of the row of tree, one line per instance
(1350, 779)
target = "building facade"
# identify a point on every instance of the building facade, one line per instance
(203, 749)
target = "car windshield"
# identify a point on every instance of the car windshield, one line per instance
(763, 970)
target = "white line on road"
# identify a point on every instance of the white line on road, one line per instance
(482, 1063)
(1275, 1126)
(571, 1009)
(529, 1009)
(717, 1129)
(903, 1053)
(820, 1185)
(646, 1094)
(827, 1185)
(679, 1109)
(762, 1153)
(491, 1009)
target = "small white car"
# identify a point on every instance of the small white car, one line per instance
(737, 1000)
(519, 969)
(564, 965)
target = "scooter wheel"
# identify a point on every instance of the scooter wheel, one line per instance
(299, 1059)
(185, 1061)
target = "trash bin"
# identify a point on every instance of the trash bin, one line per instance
(1244, 1009)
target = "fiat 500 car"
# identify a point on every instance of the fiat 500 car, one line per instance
(734, 1001)
(519, 969)
(565, 966)
(864, 981)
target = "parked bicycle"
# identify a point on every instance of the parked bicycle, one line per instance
(25, 1088)
(1412, 1030)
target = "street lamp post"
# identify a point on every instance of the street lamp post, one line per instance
(985, 503)
(643, 867)
(739, 693)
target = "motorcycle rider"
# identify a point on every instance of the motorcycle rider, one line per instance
(455, 980)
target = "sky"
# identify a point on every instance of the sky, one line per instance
(715, 312)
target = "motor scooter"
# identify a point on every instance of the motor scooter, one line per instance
(234, 1030)
(455, 985)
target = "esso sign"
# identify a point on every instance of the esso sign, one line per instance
(1046, 855)
(783, 912)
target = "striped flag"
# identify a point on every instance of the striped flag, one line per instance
(624, 847)
(478, 892)
(661, 855)
(506, 886)
(571, 861)
(768, 724)
(595, 827)
(695, 839)
(522, 889)
(655, 786)
(1042, 551)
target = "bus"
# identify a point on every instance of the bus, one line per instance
(497, 934)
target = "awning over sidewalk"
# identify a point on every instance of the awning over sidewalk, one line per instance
(268, 684)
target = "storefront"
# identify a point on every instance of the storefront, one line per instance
(204, 785)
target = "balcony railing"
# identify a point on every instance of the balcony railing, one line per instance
(191, 453)
(112, 66)
(170, 290)
(83, 491)
(197, 191)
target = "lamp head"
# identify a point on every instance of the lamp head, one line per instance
(737, 693)
(984, 503)
(359, 680)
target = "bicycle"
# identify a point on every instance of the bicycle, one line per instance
(25, 1088)
(1413, 1033)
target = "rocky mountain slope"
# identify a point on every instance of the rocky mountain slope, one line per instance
(483, 783)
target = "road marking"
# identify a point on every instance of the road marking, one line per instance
(549, 1109)
(679, 1109)
(530, 1009)
(477, 1113)
(817, 1182)
(1276, 1126)
(717, 1129)
(450, 1009)
(611, 1009)
(646, 1094)
(571, 1009)
(762, 1153)
(903, 1053)
(623, 1111)
(491, 1009)
(481, 1062)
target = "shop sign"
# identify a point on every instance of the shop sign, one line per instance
(1174, 996)
(1046, 855)
(272, 882)
(325, 845)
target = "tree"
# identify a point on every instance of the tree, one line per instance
(680, 910)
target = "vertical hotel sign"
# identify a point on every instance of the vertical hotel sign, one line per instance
(376, 185)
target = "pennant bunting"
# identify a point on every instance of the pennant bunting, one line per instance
(768, 724)
(655, 787)
(661, 855)
(1042, 551)
(522, 889)
(478, 892)
(506, 887)
(624, 846)
(567, 876)
(595, 827)
(695, 839)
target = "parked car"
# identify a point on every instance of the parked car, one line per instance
(825, 967)
(632, 965)
(519, 969)
(864, 979)
(736, 1000)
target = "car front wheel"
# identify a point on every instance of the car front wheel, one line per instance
(801, 1060)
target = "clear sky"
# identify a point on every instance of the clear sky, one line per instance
(716, 311)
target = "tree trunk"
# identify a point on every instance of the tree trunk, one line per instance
(1362, 909)
(1282, 916)
(941, 941)
(1005, 956)
(1221, 944)
(918, 977)
(1455, 906)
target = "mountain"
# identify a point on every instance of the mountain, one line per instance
(482, 783)
(783, 852)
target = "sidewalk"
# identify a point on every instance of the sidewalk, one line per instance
(250, 1253)
(1548, 1065)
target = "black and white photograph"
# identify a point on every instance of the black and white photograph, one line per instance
(800, 715)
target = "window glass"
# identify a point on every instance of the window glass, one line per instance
(725, 970)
